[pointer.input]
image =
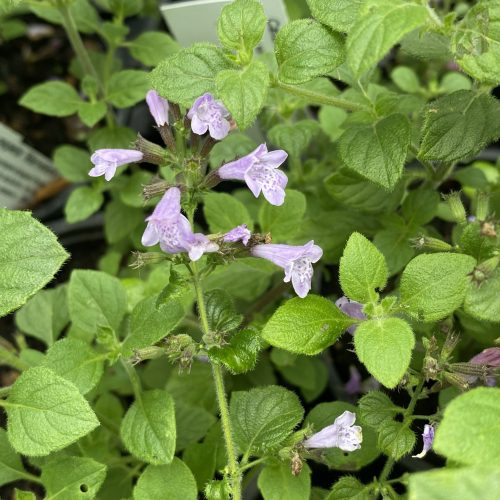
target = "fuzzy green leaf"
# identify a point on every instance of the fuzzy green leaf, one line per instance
(241, 25)
(362, 269)
(340, 15)
(46, 413)
(11, 467)
(263, 417)
(306, 49)
(381, 25)
(481, 300)
(384, 346)
(276, 482)
(396, 439)
(82, 203)
(148, 429)
(191, 72)
(224, 212)
(52, 98)
(377, 151)
(30, 256)
(151, 47)
(127, 87)
(243, 91)
(434, 285)
(306, 326)
(470, 423)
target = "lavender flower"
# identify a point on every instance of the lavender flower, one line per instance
(167, 226)
(353, 386)
(341, 434)
(259, 170)
(351, 308)
(295, 260)
(239, 233)
(106, 161)
(428, 438)
(197, 244)
(158, 107)
(208, 114)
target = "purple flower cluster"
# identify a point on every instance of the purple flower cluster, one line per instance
(259, 169)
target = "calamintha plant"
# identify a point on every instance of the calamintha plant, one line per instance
(344, 263)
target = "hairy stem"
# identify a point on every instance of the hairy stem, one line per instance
(406, 421)
(317, 98)
(234, 471)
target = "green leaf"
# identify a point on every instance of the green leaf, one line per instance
(149, 323)
(395, 439)
(73, 163)
(461, 482)
(263, 417)
(131, 192)
(224, 212)
(72, 478)
(240, 354)
(384, 346)
(325, 414)
(95, 299)
(82, 203)
(148, 429)
(381, 25)
(127, 87)
(377, 151)
(481, 301)
(469, 423)
(406, 79)
(192, 423)
(111, 137)
(24, 495)
(92, 112)
(294, 138)
(362, 269)
(221, 314)
(434, 285)
(377, 409)
(173, 482)
(243, 91)
(30, 256)
(458, 126)
(284, 221)
(191, 72)
(45, 315)
(241, 25)
(476, 43)
(332, 120)
(152, 47)
(11, 467)
(276, 482)
(339, 15)
(352, 190)
(349, 488)
(233, 146)
(77, 362)
(306, 49)
(52, 98)
(420, 206)
(120, 220)
(46, 413)
(306, 326)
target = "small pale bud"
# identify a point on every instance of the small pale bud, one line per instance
(428, 243)
(456, 207)
(482, 205)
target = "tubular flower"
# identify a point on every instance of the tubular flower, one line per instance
(351, 308)
(295, 260)
(428, 438)
(158, 107)
(341, 434)
(489, 357)
(167, 226)
(239, 233)
(259, 170)
(206, 113)
(106, 161)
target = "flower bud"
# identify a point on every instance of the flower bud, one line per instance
(482, 205)
(484, 270)
(152, 153)
(456, 207)
(151, 352)
(428, 243)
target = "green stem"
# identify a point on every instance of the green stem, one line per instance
(317, 98)
(407, 421)
(234, 471)
(134, 379)
(253, 464)
(77, 43)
